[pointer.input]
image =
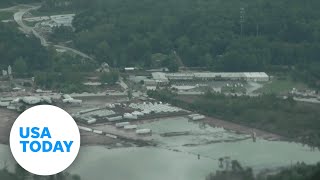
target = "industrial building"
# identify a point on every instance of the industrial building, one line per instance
(162, 78)
(63, 20)
(158, 78)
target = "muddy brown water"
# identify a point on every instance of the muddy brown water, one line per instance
(173, 160)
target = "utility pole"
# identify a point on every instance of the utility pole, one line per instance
(242, 19)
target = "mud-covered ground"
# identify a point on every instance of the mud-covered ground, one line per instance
(7, 118)
(241, 129)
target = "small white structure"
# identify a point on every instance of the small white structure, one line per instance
(122, 124)
(129, 68)
(97, 131)
(4, 104)
(130, 127)
(4, 73)
(68, 99)
(196, 117)
(66, 96)
(137, 113)
(89, 120)
(43, 91)
(129, 116)
(114, 118)
(9, 70)
(111, 136)
(92, 83)
(72, 101)
(143, 131)
(85, 128)
(16, 89)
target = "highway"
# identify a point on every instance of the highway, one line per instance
(18, 17)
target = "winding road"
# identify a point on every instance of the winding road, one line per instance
(18, 17)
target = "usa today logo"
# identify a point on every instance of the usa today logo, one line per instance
(44, 140)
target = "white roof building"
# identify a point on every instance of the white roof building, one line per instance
(247, 76)
(180, 76)
(63, 20)
(159, 76)
(256, 76)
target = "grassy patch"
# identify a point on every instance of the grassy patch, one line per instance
(280, 86)
(30, 24)
(4, 15)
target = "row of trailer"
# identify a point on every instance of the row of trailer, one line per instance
(96, 132)
(128, 126)
(108, 113)
(122, 125)
(156, 107)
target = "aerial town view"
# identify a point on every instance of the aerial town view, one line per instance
(173, 89)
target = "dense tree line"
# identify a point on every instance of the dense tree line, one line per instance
(21, 174)
(110, 77)
(28, 58)
(15, 48)
(65, 5)
(276, 36)
(300, 171)
(285, 117)
(7, 3)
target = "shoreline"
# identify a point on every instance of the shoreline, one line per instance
(242, 129)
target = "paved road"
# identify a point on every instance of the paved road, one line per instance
(74, 51)
(30, 30)
(18, 18)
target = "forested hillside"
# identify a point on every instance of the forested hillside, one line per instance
(276, 36)
(16, 48)
(29, 58)
(7, 3)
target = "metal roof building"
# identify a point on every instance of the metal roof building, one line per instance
(206, 76)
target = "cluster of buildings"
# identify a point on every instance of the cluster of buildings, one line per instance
(7, 72)
(21, 103)
(43, 97)
(119, 112)
(121, 115)
(53, 21)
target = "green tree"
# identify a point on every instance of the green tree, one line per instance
(171, 63)
(109, 77)
(20, 66)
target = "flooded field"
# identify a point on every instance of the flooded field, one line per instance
(185, 151)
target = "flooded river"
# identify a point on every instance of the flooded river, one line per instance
(176, 156)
